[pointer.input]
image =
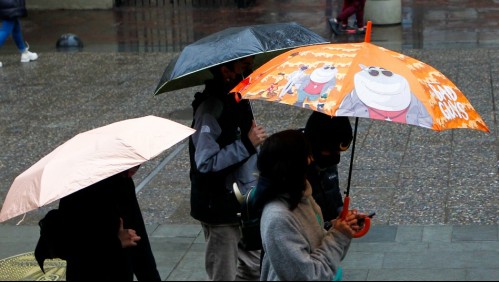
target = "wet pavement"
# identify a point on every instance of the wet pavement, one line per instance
(426, 24)
(435, 193)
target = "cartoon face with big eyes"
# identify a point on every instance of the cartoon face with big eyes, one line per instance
(382, 89)
(384, 95)
(320, 81)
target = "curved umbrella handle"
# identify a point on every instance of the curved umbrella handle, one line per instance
(367, 219)
(365, 229)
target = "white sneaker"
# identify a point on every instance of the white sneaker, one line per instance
(28, 56)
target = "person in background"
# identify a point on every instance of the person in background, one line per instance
(11, 12)
(117, 248)
(328, 137)
(96, 238)
(226, 139)
(296, 245)
(350, 7)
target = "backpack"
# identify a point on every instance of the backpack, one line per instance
(252, 205)
(53, 240)
(251, 240)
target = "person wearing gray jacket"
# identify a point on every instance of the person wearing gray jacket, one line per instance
(296, 245)
(221, 152)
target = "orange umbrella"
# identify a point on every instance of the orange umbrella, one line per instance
(362, 80)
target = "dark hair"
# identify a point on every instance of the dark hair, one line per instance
(283, 162)
(325, 132)
(216, 71)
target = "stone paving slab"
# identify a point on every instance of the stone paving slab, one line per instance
(443, 253)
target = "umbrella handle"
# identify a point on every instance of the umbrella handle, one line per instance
(367, 219)
(346, 206)
(365, 228)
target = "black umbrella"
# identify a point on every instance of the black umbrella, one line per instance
(190, 67)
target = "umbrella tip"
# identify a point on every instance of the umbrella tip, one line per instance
(367, 38)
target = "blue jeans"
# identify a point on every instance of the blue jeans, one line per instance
(12, 26)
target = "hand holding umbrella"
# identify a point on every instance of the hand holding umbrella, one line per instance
(350, 224)
(257, 134)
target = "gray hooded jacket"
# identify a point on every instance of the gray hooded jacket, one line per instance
(297, 248)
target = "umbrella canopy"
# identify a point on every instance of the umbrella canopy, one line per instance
(88, 158)
(363, 80)
(191, 66)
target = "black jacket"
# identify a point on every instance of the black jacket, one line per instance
(92, 216)
(92, 220)
(10, 9)
(326, 190)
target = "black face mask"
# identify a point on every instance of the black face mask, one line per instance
(327, 161)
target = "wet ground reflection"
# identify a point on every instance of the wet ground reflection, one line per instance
(167, 26)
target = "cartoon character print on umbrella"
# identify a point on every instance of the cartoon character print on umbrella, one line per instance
(294, 80)
(313, 87)
(363, 74)
(272, 90)
(384, 95)
(317, 85)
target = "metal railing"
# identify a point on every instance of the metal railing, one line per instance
(194, 3)
(161, 25)
(162, 29)
(142, 3)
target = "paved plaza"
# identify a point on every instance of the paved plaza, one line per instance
(435, 193)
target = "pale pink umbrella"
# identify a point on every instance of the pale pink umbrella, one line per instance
(90, 157)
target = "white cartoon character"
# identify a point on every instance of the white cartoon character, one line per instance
(317, 85)
(382, 94)
(294, 79)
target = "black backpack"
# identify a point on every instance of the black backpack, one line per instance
(251, 240)
(251, 213)
(53, 239)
